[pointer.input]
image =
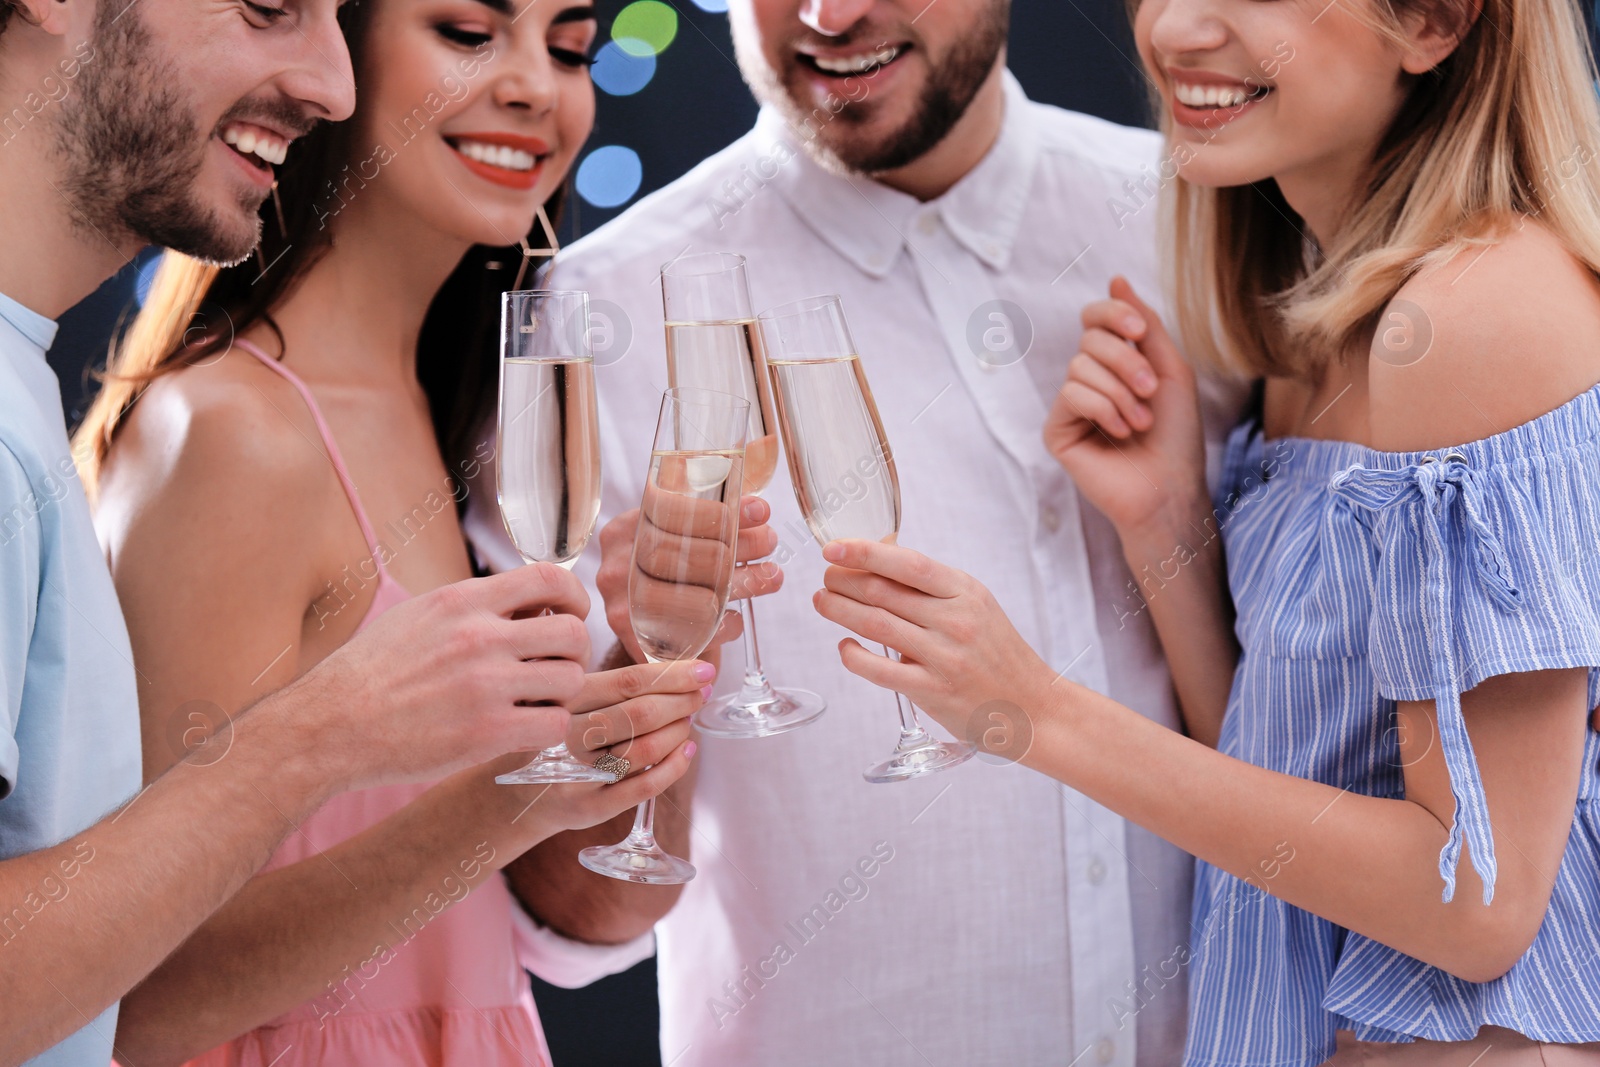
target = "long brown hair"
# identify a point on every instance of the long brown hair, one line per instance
(194, 310)
(1507, 127)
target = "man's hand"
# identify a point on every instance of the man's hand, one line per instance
(449, 680)
(756, 539)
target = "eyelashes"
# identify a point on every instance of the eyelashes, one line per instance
(567, 57)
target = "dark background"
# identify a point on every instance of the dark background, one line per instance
(1074, 53)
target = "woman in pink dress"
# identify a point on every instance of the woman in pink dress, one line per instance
(280, 455)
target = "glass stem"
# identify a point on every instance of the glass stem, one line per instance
(556, 751)
(643, 835)
(756, 690)
(911, 732)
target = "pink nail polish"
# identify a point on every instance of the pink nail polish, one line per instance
(704, 672)
(690, 749)
(705, 693)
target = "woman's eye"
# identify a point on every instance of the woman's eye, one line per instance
(465, 37)
(569, 58)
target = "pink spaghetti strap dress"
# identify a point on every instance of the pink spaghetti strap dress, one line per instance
(451, 989)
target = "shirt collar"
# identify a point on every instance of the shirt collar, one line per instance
(867, 222)
(29, 323)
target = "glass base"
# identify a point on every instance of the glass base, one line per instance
(920, 760)
(647, 866)
(547, 770)
(789, 709)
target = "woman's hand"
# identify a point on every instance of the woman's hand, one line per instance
(1126, 424)
(756, 540)
(638, 713)
(958, 650)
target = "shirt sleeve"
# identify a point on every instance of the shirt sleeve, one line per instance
(571, 964)
(1480, 569)
(20, 562)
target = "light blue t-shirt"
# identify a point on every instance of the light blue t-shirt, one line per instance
(69, 712)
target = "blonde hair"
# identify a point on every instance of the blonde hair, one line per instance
(1506, 127)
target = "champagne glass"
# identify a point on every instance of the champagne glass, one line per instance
(682, 568)
(547, 465)
(713, 343)
(843, 472)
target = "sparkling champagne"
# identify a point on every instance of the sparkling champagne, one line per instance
(839, 459)
(683, 554)
(727, 357)
(548, 467)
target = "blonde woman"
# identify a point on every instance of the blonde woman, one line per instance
(1388, 211)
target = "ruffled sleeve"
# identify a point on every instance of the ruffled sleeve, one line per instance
(1483, 565)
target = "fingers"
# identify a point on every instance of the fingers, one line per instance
(616, 726)
(872, 623)
(898, 564)
(755, 579)
(756, 542)
(526, 590)
(640, 786)
(1156, 343)
(878, 669)
(1126, 413)
(876, 591)
(1118, 315)
(547, 637)
(651, 746)
(603, 689)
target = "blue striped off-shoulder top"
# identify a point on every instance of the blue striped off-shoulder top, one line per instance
(1362, 578)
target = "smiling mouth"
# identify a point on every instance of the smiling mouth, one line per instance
(260, 148)
(1217, 97)
(515, 160)
(854, 66)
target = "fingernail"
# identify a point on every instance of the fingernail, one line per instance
(754, 511)
(833, 552)
(1143, 413)
(704, 672)
(1145, 382)
(690, 749)
(705, 692)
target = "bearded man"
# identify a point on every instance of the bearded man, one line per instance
(986, 915)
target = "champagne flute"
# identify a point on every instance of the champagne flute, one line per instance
(547, 464)
(682, 568)
(843, 472)
(713, 343)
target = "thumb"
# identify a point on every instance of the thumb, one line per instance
(1157, 344)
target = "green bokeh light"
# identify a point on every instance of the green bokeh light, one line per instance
(645, 27)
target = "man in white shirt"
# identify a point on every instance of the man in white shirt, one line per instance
(985, 915)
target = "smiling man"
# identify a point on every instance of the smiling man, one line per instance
(1009, 920)
(126, 123)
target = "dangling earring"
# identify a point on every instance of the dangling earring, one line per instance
(528, 253)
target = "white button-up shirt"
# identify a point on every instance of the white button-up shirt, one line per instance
(987, 915)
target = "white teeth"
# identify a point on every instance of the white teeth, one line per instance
(856, 64)
(503, 156)
(267, 147)
(1210, 95)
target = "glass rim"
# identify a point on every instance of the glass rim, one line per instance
(727, 261)
(687, 394)
(804, 305)
(510, 293)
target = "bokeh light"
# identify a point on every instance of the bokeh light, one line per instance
(610, 175)
(623, 69)
(716, 7)
(645, 27)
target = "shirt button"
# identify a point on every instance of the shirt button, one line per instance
(1105, 1050)
(1097, 870)
(1050, 518)
(928, 224)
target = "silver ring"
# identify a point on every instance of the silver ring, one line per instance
(616, 765)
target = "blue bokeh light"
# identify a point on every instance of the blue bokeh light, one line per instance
(610, 175)
(623, 71)
(716, 7)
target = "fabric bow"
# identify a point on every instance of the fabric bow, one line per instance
(1442, 488)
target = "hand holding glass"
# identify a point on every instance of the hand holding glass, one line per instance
(682, 568)
(843, 472)
(547, 463)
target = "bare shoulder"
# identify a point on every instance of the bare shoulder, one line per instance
(1490, 338)
(225, 442)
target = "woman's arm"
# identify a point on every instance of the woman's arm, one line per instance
(1369, 864)
(1126, 426)
(216, 573)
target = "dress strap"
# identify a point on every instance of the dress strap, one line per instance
(328, 443)
(1443, 488)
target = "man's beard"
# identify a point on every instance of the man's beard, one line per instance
(951, 86)
(134, 152)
